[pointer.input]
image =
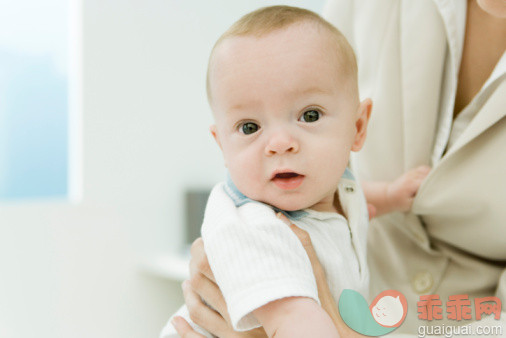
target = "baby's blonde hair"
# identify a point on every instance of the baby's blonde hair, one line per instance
(268, 19)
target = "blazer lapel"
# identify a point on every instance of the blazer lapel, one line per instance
(492, 111)
(423, 48)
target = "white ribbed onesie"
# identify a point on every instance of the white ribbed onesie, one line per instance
(257, 259)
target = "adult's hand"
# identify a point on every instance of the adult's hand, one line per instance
(205, 301)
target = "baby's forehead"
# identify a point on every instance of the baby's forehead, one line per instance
(300, 47)
(283, 46)
(292, 35)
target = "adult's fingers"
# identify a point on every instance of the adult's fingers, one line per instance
(203, 315)
(324, 294)
(202, 279)
(198, 261)
(305, 239)
(211, 294)
(184, 329)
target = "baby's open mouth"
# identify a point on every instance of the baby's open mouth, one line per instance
(286, 175)
(288, 180)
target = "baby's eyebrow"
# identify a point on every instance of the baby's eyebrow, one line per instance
(240, 107)
(237, 107)
(313, 90)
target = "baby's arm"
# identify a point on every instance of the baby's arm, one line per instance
(262, 270)
(397, 195)
(295, 317)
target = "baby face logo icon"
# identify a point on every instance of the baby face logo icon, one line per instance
(389, 308)
(386, 312)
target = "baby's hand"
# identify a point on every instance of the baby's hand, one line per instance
(401, 192)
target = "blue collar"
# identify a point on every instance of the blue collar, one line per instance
(240, 199)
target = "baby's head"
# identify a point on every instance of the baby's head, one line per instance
(282, 85)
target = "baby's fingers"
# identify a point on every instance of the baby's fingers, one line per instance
(371, 210)
(424, 169)
(414, 178)
(421, 172)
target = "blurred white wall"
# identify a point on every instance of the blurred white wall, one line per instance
(71, 270)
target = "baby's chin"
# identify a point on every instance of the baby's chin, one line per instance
(286, 205)
(282, 202)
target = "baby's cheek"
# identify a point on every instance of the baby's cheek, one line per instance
(247, 176)
(330, 162)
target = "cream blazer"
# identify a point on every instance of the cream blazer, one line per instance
(454, 240)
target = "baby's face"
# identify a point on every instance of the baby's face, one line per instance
(284, 119)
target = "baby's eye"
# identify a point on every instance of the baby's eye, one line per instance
(249, 128)
(310, 116)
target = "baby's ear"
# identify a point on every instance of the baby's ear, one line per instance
(363, 115)
(214, 132)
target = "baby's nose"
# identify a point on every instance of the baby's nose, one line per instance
(280, 143)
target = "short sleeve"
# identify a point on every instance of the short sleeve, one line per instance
(254, 256)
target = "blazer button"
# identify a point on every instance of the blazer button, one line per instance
(349, 188)
(422, 282)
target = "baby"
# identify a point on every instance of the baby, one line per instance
(282, 85)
